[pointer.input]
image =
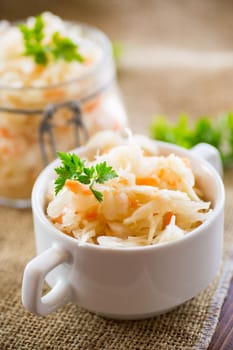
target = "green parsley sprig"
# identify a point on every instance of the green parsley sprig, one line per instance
(74, 168)
(215, 131)
(59, 47)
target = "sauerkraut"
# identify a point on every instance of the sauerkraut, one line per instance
(153, 200)
(18, 70)
(28, 88)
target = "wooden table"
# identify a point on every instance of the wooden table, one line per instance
(223, 337)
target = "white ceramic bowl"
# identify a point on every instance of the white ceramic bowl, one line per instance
(126, 283)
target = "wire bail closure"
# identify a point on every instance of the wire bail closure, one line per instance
(46, 127)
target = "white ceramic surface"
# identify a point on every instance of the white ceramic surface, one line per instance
(126, 283)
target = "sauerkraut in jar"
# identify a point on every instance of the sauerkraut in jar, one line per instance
(55, 104)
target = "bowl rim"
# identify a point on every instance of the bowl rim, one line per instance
(38, 210)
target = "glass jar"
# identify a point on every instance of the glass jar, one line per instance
(35, 122)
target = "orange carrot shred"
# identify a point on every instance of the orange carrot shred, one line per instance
(148, 181)
(58, 219)
(77, 187)
(167, 218)
(91, 215)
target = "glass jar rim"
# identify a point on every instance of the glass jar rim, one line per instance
(107, 53)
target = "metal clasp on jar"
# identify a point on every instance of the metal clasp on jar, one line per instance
(46, 130)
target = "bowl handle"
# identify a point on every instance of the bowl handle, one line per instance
(209, 153)
(33, 279)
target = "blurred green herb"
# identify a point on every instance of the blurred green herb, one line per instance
(65, 48)
(117, 51)
(58, 48)
(74, 168)
(217, 132)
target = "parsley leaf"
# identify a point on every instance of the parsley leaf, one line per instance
(74, 168)
(59, 47)
(33, 41)
(217, 132)
(98, 195)
(65, 48)
(104, 173)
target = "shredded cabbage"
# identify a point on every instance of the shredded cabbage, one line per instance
(153, 200)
